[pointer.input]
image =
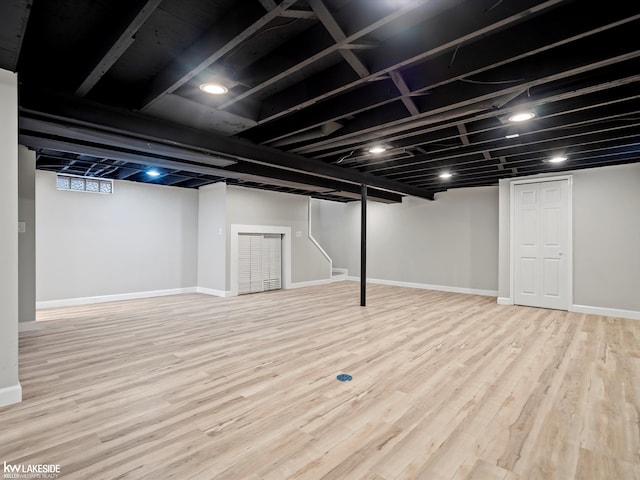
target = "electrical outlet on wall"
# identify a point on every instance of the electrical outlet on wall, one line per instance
(22, 227)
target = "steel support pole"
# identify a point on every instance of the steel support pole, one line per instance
(363, 245)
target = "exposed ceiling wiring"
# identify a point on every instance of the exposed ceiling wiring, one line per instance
(489, 82)
(344, 157)
(495, 5)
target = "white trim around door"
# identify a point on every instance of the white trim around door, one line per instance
(237, 229)
(568, 251)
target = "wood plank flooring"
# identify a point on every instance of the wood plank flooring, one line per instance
(445, 386)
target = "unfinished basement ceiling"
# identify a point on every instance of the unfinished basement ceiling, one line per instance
(112, 88)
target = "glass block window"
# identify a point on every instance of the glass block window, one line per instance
(106, 186)
(91, 185)
(77, 184)
(63, 183)
(84, 184)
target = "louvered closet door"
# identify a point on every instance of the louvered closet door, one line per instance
(260, 263)
(244, 264)
(256, 263)
(271, 262)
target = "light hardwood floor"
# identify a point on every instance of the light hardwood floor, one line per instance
(445, 386)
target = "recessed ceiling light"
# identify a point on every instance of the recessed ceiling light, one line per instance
(521, 116)
(445, 175)
(377, 149)
(512, 135)
(558, 159)
(153, 173)
(213, 88)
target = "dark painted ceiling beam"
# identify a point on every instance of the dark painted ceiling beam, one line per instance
(241, 171)
(79, 147)
(368, 96)
(126, 173)
(298, 14)
(543, 149)
(464, 135)
(541, 153)
(65, 109)
(144, 147)
(472, 59)
(501, 146)
(323, 14)
(299, 65)
(590, 163)
(468, 25)
(611, 96)
(223, 37)
(449, 98)
(405, 93)
(525, 168)
(196, 182)
(569, 115)
(310, 183)
(268, 4)
(331, 78)
(448, 33)
(453, 102)
(13, 23)
(366, 25)
(622, 144)
(522, 43)
(118, 45)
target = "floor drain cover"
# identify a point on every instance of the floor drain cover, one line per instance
(343, 377)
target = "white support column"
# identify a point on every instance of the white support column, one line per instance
(27, 234)
(10, 390)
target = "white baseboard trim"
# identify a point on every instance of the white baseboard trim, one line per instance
(311, 283)
(338, 278)
(424, 286)
(10, 395)
(505, 301)
(607, 312)
(215, 293)
(71, 302)
(340, 271)
(29, 326)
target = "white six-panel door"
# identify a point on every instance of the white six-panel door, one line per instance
(541, 236)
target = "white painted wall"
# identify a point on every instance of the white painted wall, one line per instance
(27, 239)
(247, 206)
(212, 235)
(606, 240)
(607, 237)
(10, 391)
(451, 242)
(332, 224)
(150, 239)
(142, 238)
